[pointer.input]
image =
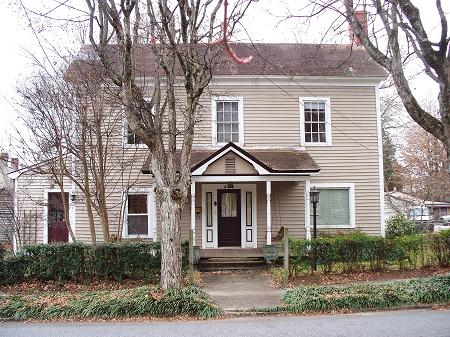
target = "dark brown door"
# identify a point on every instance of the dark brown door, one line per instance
(57, 228)
(229, 217)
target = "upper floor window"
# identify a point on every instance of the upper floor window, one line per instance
(315, 121)
(131, 137)
(227, 119)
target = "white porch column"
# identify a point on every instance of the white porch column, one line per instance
(193, 211)
(268, 213)
(307, 209)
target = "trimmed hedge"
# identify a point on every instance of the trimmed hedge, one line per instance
(80, 262)
(142, 301)
(366, 296)
(358, 251)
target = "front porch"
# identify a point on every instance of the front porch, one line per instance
(239, 203)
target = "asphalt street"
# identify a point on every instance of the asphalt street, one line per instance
(414, 323)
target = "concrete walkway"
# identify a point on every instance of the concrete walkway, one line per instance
(242, 290)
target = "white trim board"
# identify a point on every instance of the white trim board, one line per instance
(380, 161)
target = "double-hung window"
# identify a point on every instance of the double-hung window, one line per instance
(227, 117)
(139, 215)
(131, 137)
(315, 121)
(336, 206)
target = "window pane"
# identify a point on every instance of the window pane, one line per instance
(315, 137)
(234, 116)
(219, 106)
(235, 137)
(315, 127)
(227, 127)
(307, 137)
(307, 116)
(227, 106)
(228, 205)
(219, 127)
(322, 116)
(333, 208)
(227, 137)
(137, 204)
(322, 127)
(308, 127)
(235, 127)
(234, 106)
(137, 224)
(220, 138)
(219, 116)
(323, 138)
(208, 209)
(248, 205)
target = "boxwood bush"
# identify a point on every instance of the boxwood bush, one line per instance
(80, 262)
(357, 251)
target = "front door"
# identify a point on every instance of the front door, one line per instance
(229, 218)
(57, 228)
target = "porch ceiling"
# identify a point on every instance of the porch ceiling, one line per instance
(273, 160)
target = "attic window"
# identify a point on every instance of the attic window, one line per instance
(230, 165)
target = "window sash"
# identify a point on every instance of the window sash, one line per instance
(333, 208)
(227, 121)
(315, 121)
(137, 220)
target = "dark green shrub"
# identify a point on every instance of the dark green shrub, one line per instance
(399, 225)
(440, 247)
(79, 262)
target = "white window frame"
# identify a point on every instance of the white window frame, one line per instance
(328, 132)
(240, 101)
(151, 213)
(125, 138)
(351, 202)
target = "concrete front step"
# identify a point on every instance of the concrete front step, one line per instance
(239, 263)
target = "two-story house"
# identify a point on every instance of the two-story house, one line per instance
(298, 116)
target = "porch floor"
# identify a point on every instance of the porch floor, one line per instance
(231, 252)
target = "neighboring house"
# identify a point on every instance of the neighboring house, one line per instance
(298, 116)
(7, 165)
(397, 202)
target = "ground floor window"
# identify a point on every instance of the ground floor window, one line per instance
(138, 215)
(336, 206)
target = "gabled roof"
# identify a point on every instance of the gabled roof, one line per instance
(276, 161)
(282, 59)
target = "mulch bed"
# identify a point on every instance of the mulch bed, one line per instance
(365, 276)
(74, 287)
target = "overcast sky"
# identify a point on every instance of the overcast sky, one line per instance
(262, 24)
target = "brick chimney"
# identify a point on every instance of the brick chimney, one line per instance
(361, 17)
(4, 157)
(15, 163)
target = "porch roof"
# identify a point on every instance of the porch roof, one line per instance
(273, 160)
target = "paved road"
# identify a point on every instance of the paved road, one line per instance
(395, 323)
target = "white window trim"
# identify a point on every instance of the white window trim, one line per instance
(301, 102)
(351, 197)
(72, 212)
(151, 213)
(125, 138)
(240, 101)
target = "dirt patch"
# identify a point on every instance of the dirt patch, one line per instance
(72, 287)
(361, 277)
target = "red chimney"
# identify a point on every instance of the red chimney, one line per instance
(15, 163)
(361, 17)
(4, 156)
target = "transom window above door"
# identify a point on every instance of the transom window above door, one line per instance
(227, 117)
(315, 121)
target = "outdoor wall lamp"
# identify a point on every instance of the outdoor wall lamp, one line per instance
(314, 197)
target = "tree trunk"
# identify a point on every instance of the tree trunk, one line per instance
(171, 207)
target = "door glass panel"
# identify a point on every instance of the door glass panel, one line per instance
(209, 209)
(228, 205)
(248, 205)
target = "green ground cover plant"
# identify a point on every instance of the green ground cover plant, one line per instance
(136, 302)
(357, 297)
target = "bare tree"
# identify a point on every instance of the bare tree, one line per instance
(180, 36)
(394, 35)
(77, 138)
